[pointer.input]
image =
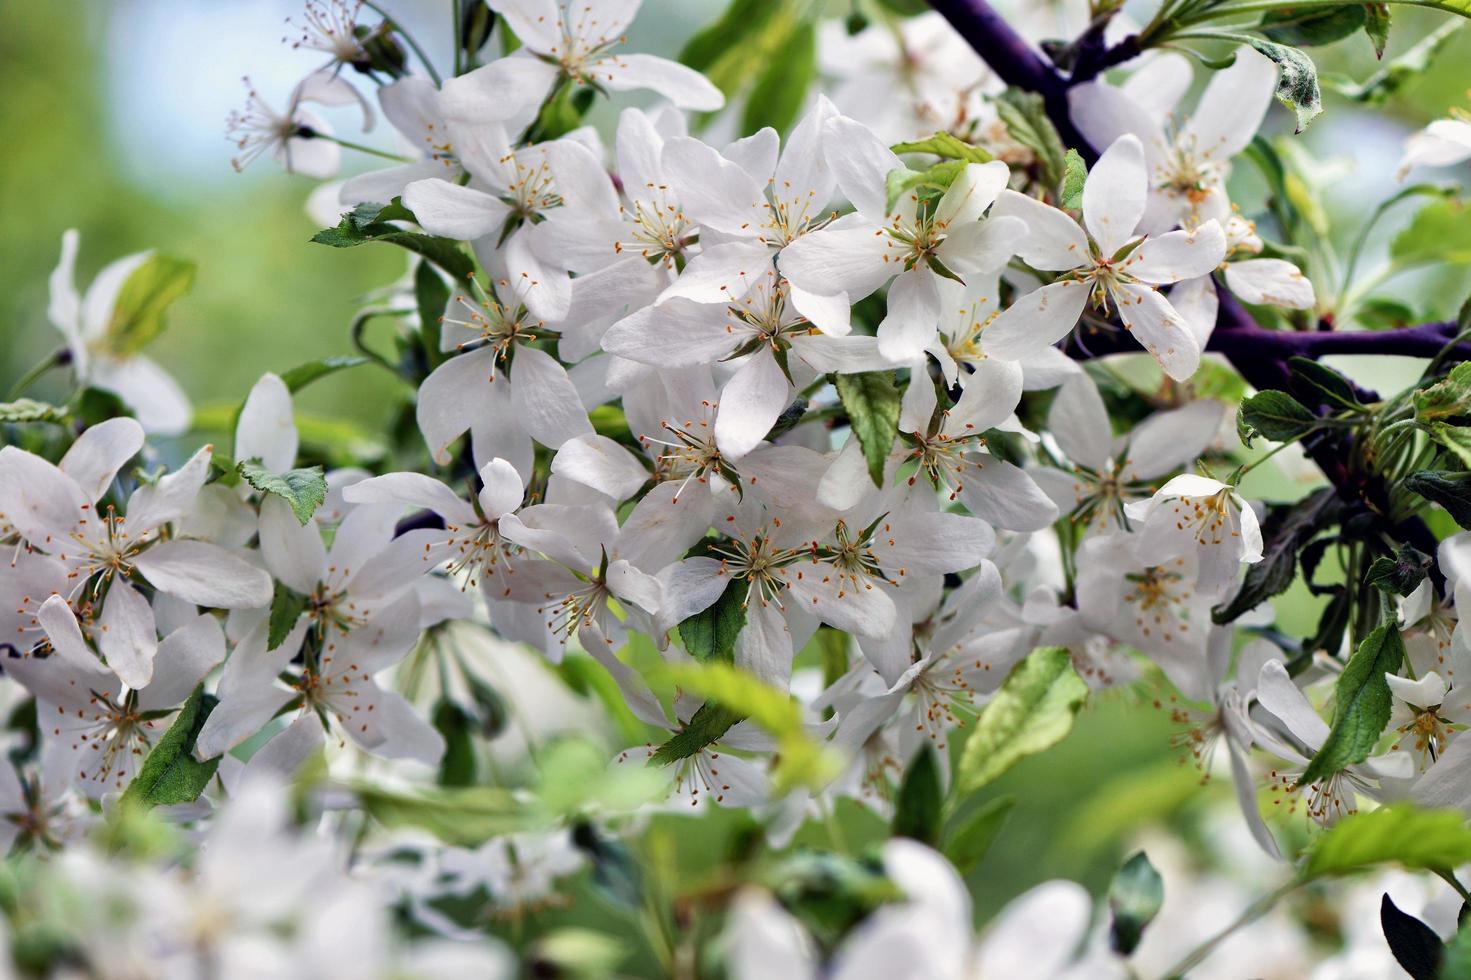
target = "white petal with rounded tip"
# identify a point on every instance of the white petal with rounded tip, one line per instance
(721, 273)
(676, 334)
(839, 259)
(598, 462)
(683, 86)
(1079, 422)
(183, 659)
(411, 490)
(206, 574)
(150, 391)
(764, 941)
(1007, 497)
(860, 163)
(989, 398)
(503, 489)
(463, 388)
(443, 208)
(764, 644)
(1054, 242)
(501, 91)
(295, 554)
(267, 429)
(171, 497)
(972, 192)
(1159, 328)
(912, 317)
(1232, 107)
(1275, 282)
(1196, 302)
(1115, 194)
(750, 403)
(127, 636)
(1036, 320)
(248, 691)
(544, 399)
(1276, 692)
(713, 191)
(1036, 935)
(1178, 255)
(833, 315)
(982, 246)
(1427, 692)
(1167, 440)
(99, 452)
(1157, 86)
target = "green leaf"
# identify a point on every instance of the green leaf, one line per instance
(1451, 490)
(171, 774)
(705, 727)
(304, 489)
(1440, 232)
(457, 765)
(917, 810)
(431, 295)
(25, 410)
(1297, 80)
(1455, 438)
(1313, 25)
(1323, 382)
(563, 112)
(1134, 898)
(1389, 79)
(936, 179)
(711, 633)
(304, 374)
(800, 759)
(369, 223)
(286, 608)
(145, 296)
(1032, 711)
(1446, 398)
(781, 87)
(1456, 963)
(1376, 25)
(1401, 574)
(464, 816)
(1276, 415)
(946, 146)
(1362, 702)
(968, 843)
(1400, 833)
(1025, 116)
(740, 21)
(1075, 173)
(872, 404)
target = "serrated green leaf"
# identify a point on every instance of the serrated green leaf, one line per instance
(872, 404)
(936, 179)
(1400, 833)
(947, 146)
(369, 223)
(1276, 415)
(304, 374)
(1297, 79)
(710, 634)
(304, 489)
(781, 87)
(1032, 711)
(1134, 898)
(170, 774)
(1446, 398)
(1325, 383)
(705, 727)
(1401, 573)
(972, 837)
(431, 295)
(24, 410)
(1074, 175)
(286, 608)
(1362, 704)
(1025, 116)
(144, 299)
(917, 811)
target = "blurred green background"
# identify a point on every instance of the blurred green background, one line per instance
(113, 118)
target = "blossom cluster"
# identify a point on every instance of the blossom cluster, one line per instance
(692, 403)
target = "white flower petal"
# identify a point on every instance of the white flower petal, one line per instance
(683, 86)
(206, 574)
(1115, 193)
(1159, 328)
(445, 208)
(750, 403)
(1276, 282)
(99, 452)
(127, 636)
(1036, 320)
(266, 429)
